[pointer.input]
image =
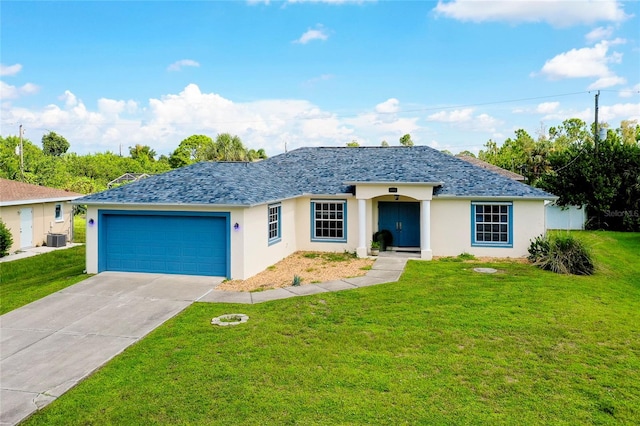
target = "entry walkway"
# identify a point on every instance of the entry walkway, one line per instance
(48, 346)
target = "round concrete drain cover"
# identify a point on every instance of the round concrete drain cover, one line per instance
(230, 319)
(485, 270)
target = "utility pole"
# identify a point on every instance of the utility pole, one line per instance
(596, 124)
(21, 155)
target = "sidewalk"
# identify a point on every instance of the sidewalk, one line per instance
(34, 251)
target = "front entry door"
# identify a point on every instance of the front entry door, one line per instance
(26, 228)
(403, 220)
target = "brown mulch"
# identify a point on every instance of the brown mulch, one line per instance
(311, 267)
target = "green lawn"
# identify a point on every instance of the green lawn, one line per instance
(26, 280)
(445, 345)
(79, 229)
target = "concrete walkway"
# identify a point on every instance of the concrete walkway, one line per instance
(34, 251)
(50, 345)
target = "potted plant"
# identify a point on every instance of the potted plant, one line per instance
(375, 248)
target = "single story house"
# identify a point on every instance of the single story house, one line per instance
(32, 212)
(234, 219)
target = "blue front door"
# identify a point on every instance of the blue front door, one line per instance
(402, 220)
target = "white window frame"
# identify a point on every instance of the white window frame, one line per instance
(274, 228)
(494, 223)
(332, 215)
(55, 211)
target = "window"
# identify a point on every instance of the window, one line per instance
(328, 220)
(274, 223)
(59, 213)
(492, 224)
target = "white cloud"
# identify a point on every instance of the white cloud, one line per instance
(455, 116)
(557, 13)
(389, 106)
(10, 70)
(313, 34)
(586, 62)
(547, 107)
(630, 91)
(604, 82)
(7, 91)
(599, 34)
(614, 114)
(464, 119)
(178, 65)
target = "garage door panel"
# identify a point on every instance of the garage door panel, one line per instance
(178, 244)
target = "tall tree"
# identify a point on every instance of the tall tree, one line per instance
(353, 144)
(227, 148)
(384, 144)
(142, 152)
(405, 140)
(191, 150)
(54, 144)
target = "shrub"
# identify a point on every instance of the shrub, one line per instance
(562, 254)
(6, 240)
(384, 237)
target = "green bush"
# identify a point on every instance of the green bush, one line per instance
(6, 240)
(562, 254)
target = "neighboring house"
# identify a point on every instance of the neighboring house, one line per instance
(31, 212)
(234, 219)
(127, 178)
(492, 167)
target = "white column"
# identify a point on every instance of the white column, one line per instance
(361, 251)
(425, 230)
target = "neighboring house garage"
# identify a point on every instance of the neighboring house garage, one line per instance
(190, 243)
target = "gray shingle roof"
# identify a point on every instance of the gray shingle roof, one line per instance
(315, 171)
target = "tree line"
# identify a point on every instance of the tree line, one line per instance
(599, 170)
(51, 165)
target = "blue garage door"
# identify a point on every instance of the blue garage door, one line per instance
(190, 244)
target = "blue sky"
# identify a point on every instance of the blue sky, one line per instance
(453, 74)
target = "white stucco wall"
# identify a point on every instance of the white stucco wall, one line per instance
(258, 253)
(451, 228)
(303, 226)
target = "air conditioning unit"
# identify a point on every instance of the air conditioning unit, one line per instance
(56, 240)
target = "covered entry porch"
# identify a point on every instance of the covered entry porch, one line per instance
(403, 209)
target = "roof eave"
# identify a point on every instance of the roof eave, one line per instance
(495, 198)
(394, 182)
(37, 201)
(116, 204)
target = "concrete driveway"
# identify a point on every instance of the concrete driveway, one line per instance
(48, 346)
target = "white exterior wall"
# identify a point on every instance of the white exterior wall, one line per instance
(303, 226)
(258, 254)
(451, 228)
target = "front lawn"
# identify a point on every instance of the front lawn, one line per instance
(445, 345)
(26, 280)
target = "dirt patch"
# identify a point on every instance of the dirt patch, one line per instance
(311, 267)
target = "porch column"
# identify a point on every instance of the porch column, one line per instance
(425, 230)
(361, 251)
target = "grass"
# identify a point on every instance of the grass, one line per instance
(444, 345)
(79, 229)
(26, 280)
